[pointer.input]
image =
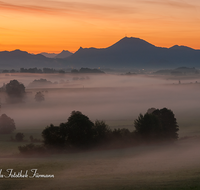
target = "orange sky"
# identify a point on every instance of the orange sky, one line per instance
(55, 25)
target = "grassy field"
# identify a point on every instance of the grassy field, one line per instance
(174, 166)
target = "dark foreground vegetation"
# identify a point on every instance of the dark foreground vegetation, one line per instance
(80, 133)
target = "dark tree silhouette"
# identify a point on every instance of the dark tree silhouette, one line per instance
(168, 123)
(54, 136)
(19, 137)
(40, 82)
(7, 125)
(157, 125)
(49, 70)
(121, 134)
(101, 131)
(39, 97)
(148, 127)
(15, 91)
(80, 130)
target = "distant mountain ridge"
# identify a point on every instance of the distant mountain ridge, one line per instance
(62, 55)
(17, 59)
(49, 55)
(128, 52)
(136, 53)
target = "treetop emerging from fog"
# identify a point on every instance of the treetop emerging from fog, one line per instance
(15, 91)
(157, 125)
(80, 132)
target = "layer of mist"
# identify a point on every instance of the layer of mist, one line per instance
(116, 99)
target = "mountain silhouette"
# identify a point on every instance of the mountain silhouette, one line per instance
(135, 53)
(17, 59)
(128, 52)
(126, 44)
(49, 55)
(64, 54)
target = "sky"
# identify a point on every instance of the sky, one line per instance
(54, 25)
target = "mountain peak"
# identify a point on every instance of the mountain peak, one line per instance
(19, 52)
(64, 54)
(131, 43)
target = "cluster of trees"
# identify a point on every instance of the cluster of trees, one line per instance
(30, 70)
(40, 82)
(34, 70)
(16, 91)
(86, 70)
(9, 71)
(44, 70)
(51, 70)
(79, 132)
(157, 125)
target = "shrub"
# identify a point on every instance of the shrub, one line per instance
(30, 149)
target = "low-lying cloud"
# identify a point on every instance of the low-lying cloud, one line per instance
(113, 98)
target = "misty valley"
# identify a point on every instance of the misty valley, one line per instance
(99, 95)
(117, 100)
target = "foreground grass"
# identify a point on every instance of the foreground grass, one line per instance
(145, 167)
(149, 167)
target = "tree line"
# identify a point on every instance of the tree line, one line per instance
(34, 70)
(80, 133)
(16, 93)
(51, 70)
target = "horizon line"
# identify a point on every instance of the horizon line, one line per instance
(56, 52)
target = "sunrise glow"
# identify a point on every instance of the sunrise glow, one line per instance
(52, 26)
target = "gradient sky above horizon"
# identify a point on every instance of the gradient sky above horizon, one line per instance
(55, 25)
